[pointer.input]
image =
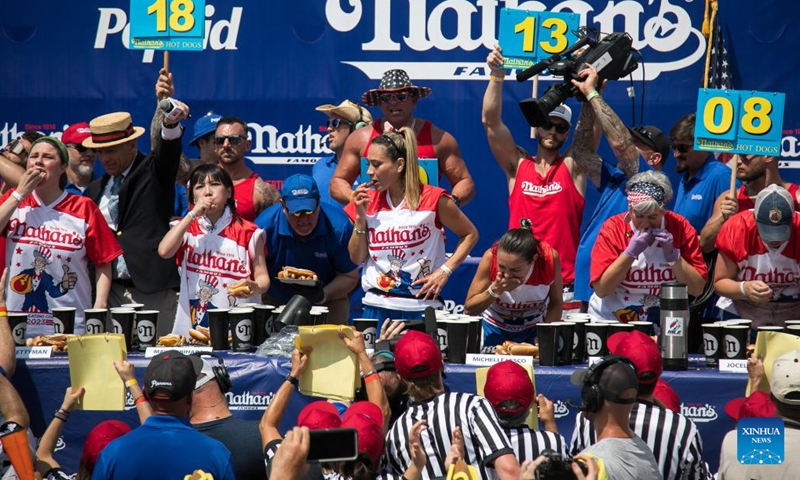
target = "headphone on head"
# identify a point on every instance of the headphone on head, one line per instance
(220, 371)
(360, 122)
(592, 397)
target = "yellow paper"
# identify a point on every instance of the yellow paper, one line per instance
(91, 366)
(532, 420)
(770, 346)
(332, 370)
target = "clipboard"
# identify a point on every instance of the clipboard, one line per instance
(332, 370)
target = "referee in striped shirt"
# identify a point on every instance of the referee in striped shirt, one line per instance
(510, 391)
(419, 364)
(673, 438)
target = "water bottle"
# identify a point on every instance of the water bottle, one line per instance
(674, 324)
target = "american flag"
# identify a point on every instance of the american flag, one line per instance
(719, 69)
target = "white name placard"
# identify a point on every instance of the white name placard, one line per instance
(727, 365)
(483, 359)
(153, 351)
(34, 352)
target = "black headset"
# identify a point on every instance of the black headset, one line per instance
(592, 396)
(360, 122)
(220, 371)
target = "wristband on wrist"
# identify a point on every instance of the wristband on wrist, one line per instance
(17, 196)
(291, 379)
(62, 415)
(492, 293)
(741, 289)
(360, 232)
(371, 377)
(592, 95)
(131, 382)
(446, 269)
(139, 400)
(496, 78)
(192, 214)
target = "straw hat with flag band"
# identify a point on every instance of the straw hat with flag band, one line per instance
(112, 129)
(393, 81)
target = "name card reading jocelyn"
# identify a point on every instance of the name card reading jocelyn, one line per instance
(727, 365)
(153, 351)
(33, 352)
(482, 360)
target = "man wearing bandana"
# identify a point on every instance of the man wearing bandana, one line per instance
(639, 250)
(758, 266)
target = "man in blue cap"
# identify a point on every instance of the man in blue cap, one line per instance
(203, 137)
(303, 232)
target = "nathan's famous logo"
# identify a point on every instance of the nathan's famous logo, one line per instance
(213, 262)
(53, 235)
(408, 236)
(470, 25)
(529, 188)
(771, 277)
(220, 34)
(248, 400)
(699, 413)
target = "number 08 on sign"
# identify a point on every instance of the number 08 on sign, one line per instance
(167, 24)
(734, 121)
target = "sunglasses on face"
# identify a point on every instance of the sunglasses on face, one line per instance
(681, 148)
(303, 213)
(16, 147)
(334, 123)
(77, 147)
(399, 96)
(234, 139)
(560, 127)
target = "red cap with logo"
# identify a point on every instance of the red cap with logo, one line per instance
(76, 133)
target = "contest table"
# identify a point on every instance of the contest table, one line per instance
(42, 383)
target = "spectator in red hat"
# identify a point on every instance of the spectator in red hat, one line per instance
(511, 392)
(419, 365)
(673, 438)
(164, 446)
(666, 396)
(81, 159)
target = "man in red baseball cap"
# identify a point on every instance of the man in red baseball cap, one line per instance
(656, 425)
(81, 159)
(419, 365)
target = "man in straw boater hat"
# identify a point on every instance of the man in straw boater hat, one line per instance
(343, 119)
(397, 97)
(136, 196)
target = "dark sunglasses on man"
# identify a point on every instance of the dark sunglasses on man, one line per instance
(234, 139)
(680, 148)
(399, 96)
(560, 127)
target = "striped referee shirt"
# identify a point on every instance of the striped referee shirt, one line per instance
(529, 444)
(484, 439)
(673, 438)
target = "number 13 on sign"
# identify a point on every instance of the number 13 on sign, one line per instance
(527, 37)
(746, 122)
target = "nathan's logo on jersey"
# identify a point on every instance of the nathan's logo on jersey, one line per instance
(535, 304)
(220, 34)
(54, 236)
(248, 400)
(699, 413)
(528, 188)
(459, 27)
(214, 262)
(771, 277)
(650, 275)
(405, 236)
(561, 409)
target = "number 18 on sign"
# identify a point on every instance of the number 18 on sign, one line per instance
(733, 121)
(167, 24)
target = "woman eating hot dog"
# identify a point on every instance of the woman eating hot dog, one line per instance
(221, 255)
(517, 285)
(398, 232)
(637, 251)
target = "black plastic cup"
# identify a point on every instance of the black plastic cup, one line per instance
(566, 332)
(735, 339)
(121, 321)
(136, 306)
(95, 320)
(18, 322)
(262, 323)
(219, 327)
(146, 323)
(64, 320)
(713, 343)
(241, 325)
(644, 327)
(578, 339)
(457, 340)
(369, 328)
(548, 343)
(596, 336)
(619, 327)
(441, 335)
(474, 334)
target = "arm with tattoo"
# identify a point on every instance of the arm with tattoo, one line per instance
(584, 145)
(264, 195)
(618, 136)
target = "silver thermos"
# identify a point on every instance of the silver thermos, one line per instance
(674, 324)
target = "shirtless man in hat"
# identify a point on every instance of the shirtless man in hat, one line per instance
(397, 97)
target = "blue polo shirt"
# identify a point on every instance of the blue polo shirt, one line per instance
(322, 172)
(324, 250)
(613, 201)
(696, 196)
